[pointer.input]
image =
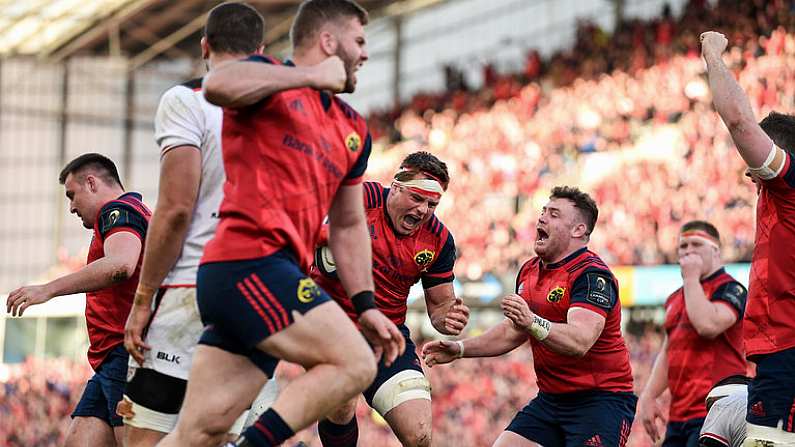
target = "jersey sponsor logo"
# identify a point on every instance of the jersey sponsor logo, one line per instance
(171, 358)
(520, 289)
(353, 141)
(325, 144)
(424, 257)
(393, 273)
(307, 149)
(556, 294)
(307, 290)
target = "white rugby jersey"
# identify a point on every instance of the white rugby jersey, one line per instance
(185, 118)
(725, 421)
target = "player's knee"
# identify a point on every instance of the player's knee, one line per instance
(362, 373)
(419, 435)
(344, 413)
(361, 367)
(208, 433)
(402, 387)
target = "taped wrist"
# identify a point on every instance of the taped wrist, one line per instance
(363, 301)
(460, 344)
(539, 328)
(765, 172)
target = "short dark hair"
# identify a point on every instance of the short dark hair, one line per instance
(104, 167)
(701, 225)
(781, 129)
(425, 163)
(234, 28)
(582, 201)
(312, 14)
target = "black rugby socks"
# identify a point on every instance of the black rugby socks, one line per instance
(334, 435)
(269, 431)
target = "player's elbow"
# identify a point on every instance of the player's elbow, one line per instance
(579, 350)
(219, 90)
(122, 271)
(582, 345)
(707, 330)
(737, 123)
(346, 222)
(177, 215)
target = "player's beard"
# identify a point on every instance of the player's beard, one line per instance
(350, 66)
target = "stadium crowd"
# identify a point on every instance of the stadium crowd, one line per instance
(632, 105)
(36, 399)
(37, 396)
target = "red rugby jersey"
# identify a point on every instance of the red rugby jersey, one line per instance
(580, 280)
(285, 158)
(398, 261)
(696, 363)
(107, 309)
(770, 317)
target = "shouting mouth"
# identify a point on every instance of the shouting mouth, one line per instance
(541, 236)
(411, 222)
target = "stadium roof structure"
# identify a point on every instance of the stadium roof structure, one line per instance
(141, 30)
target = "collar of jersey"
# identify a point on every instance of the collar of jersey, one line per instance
(717, 273)
(325, 98)
(136, 195)
(565, 260)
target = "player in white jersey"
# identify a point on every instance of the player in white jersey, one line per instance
(726, 407)
(161, 336)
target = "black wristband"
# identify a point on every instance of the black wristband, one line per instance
(363, 301)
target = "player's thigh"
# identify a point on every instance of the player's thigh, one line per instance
(602, 419)
(411, 422)
(402, 395)
(141, 437)
(771, 394)
(344, 413)
(173, 332)
(222, 386)
(155, 390)
(323, 335)
(511, 439)
(118, 434)
(399, 382)
(152, 400)
(537, 422)
(112, 375)
(89, 430)
(91, 418)
(270, 304)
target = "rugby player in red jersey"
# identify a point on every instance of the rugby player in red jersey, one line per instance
(119, 220)
(566, 304)
(769, 326)
(291, 158)
(410, 244)
(161, 338)
(703, 342)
